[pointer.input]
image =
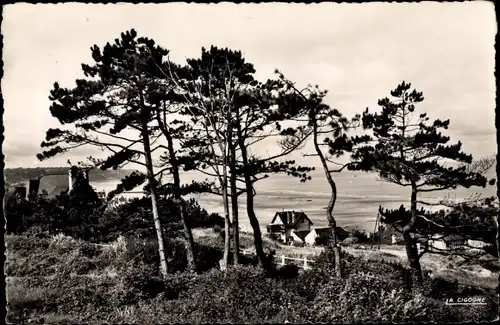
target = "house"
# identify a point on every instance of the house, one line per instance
(52, 184)
(447, 242)
(286, 225)
(20, 191)
(321, 235)
(389, 235)
(298, 237)
(476, 244)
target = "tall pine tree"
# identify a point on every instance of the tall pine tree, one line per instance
(110, 109)
(329, 132)
(232, 112)
(412, 152)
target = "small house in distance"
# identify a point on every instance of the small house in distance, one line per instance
(53, 184)
(319, 236)
(476, 243)
(447, 242)
(289, 226)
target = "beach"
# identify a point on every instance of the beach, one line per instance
(359, 196)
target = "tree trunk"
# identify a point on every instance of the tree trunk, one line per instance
(234, 197)
(333, 244)
(190, 255)
(227, 238)
(233, 185)
(410, 245)
(254, 222)
(413, 259)
(154, 201)
(234, 208)
(332, 240)
(180, 201)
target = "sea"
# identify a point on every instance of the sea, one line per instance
(359, 196)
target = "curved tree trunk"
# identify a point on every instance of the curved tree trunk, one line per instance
(332, 240)
(333, 244)
(254, 222)
(154, 201)
(190, 254)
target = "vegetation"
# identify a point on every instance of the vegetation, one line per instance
(324, 121)
(230, 112)
(77, 259)
(411, 152)
(63, 280)
(77, 216)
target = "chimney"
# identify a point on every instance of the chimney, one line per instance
(34, 185)
(70, 180)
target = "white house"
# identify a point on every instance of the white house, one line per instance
(476, 244)
(447, 242)
(323, 233)
(288, 225)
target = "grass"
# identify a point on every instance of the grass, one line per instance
(447, 267)
(208, 237)
(451, 268)
(63, 280)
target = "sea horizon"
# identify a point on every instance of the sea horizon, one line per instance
(359, 197)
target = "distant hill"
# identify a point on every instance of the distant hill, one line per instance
(16, 175)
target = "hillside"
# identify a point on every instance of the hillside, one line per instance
(14, 175)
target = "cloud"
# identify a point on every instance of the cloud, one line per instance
(358, 52)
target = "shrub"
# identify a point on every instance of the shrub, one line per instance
(243, 295)
(360, 235)
(350, 241)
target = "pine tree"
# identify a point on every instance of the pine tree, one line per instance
(327, 123)
(232, 112)
(410, 151)
(110, 109)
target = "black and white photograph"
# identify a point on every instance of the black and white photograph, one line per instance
(250, 163)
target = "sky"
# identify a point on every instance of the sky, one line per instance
(358, 52)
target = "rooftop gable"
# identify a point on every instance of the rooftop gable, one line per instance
(291, 218)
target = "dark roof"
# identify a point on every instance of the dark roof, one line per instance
(290, 218)
(301, 234)
(325, 232)
(453, 237)
(390, 230)
(275, 228)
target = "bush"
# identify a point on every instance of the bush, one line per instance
(82, 215)
(360, 235)
(72, 280)
(350, 241)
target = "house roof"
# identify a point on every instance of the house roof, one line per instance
(390, 230)
(448, 238)
(290, 218)
(325, 231)
(274, 227)
(453, 237)
(301, 234)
